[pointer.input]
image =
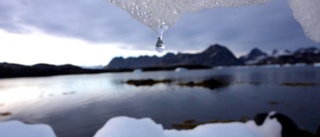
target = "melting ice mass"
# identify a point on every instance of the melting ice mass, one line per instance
(160, 15)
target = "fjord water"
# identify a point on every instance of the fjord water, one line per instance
(78, 105)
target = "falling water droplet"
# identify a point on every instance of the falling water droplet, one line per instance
(160, 47)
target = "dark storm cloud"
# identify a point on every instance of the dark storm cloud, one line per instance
(266, 26)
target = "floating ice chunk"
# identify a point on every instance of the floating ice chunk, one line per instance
(137, 71)
(131, 127)
(19, 129)
(307, 13)
(316, 64)
(180, 69)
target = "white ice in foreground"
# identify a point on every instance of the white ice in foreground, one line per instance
(131, 127)
(307, 13)
(19, 129)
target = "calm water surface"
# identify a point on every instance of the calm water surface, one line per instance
(78, 105)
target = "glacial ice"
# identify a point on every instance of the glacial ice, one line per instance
(307, 13)
(160, 15)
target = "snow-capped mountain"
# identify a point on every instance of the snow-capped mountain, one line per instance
(308, 55)
(254, 56)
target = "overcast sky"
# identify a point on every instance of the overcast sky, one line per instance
(92, 32)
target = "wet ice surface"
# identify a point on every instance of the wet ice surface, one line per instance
(160, 15)
(307, 13)
(19, 129)
(164, 13)
(130, 127)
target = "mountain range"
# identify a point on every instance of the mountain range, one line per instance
(308, 55)
(8, 70)
(214, 56)
(217, 55)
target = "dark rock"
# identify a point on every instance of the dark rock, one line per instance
(146, 82)
(5, 114)
(210, 84)
(289, 128)
(299, 84)
(189, 121)
(260, 118)
(185, 126)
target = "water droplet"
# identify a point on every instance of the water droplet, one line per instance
(160, 47)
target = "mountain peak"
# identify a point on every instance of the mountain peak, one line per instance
(277, 53)
(214, 47)
(253, 56)
(257, 52)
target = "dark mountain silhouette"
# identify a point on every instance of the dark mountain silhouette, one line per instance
(308, 55)
(8, 70)
(253, 56)
(139, 62)
(215, 55)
